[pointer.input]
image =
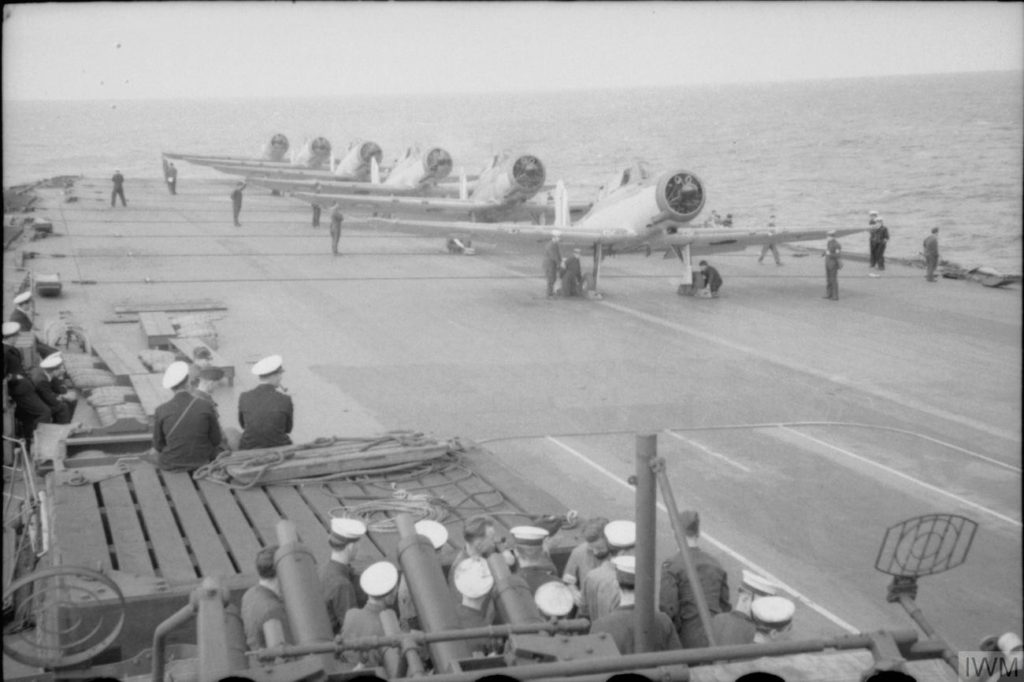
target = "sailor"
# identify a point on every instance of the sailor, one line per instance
(22, 313)
(552, 261)
(317, 187)
(473, 583)
(773, 618)
(118, 190)
(14, 361)
(338, 577)
(236, 202)
(586, 556)
(480, 537)
(676, 594)
(534, 563)
(727, 222)
(879, 238)
(931, 254)
(265, 413)
(737, 626)
(202, 357)
(46, 378)
(380, 582)
(554, 600)
(833, 263)
(621, 622)
(171, 173)
(572, 275)
(438, 536)
(186, 431)
(29, 410)
(712, 281)
(337, 217)
(207, 380)
(262, 602)
(770, 246)
(600, 591)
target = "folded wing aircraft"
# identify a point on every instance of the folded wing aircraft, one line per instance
(635, 211)
(276, 150)
(315, 153)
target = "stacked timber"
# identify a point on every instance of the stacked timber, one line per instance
(196, 327)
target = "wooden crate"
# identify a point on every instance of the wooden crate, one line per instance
(157, 328)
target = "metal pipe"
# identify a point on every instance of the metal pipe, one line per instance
(392, 657)
(646, 520)
(300, 590)
(414, 664)
(665, 673)
(177, 619)
(430, 593)
(212, 633)
(515, 601)
(235, 629)
(691, 572)
(910, 606)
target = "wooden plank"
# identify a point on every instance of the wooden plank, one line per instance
(168, 306)
(262, 515)
(150, 390)
(125, 529)
(321, 501)
(173, 561)
(201, 535)
(311, 530)
(187, 346)
(157, 328)
(77, 525)
(234, 528)
(119, 360)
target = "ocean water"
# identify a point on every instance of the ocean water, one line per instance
(925, 151)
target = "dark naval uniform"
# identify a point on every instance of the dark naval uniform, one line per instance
(552, 262)
(475, 618)
(260, 604)
(364, 622)
(186, 433)
(620, 624)
(572, 278)
(265, 414)
(19, 316)
(535, 576)
(733, 628)
(30, 410)
(44, 386)
(14, 361)
(341, 591)
(600, 592)
(677, 600)
(833, 263)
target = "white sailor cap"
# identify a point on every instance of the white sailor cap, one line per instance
(434, 531)
(620, 534)
(347, 530)
(473, 577)
(756, 584)
(772, 613)
(554, 599)
(268, 365)
(831, 233)
(11, 328)
(625, 570)
(872, 212)
(176, 373)
(23, 297)
(528, 535)
(51, 361)
(379, 579)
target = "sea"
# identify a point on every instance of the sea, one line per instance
(941, 150)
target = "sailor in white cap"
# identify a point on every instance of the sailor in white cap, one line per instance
(480, 537)
(773, 618)
(51, 389)
(380, 582)
(554, 599)
(833, 262)
(186, 430)
(620, 623)
(438, 536)
(262, 602)
(337, 577)
(534, 564)
(552, 262)
(676, 597)
(736, 626)
(572, 275)
(14, 361)
(879, 237)
(265, 413)
(473, 581)
(600, 591)
(770, 246)
(30, 410)
(22, 313)
(586, 556)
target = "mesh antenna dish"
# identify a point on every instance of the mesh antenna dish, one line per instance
(925, 545)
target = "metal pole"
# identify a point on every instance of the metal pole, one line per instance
(177, 619)
(646, 519)
(515, 601)
(691, 572)
(215, 655)
(910, 606)
(300, 590)
(389, 621)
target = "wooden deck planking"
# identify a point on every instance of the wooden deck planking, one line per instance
(77, 525)
(321, 500)
(202, 536)
(157, 327)
(263, 517)
(150, 390)
(130, 545)
(173, 562)
(118, 359)
(312, 531)
(234, 527)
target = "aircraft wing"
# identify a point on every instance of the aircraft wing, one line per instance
(513, 231)
(716, 239)
(336, 188)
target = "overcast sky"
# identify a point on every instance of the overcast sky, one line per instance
(193, 49)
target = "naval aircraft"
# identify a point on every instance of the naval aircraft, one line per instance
(314, 154)
(635, 210)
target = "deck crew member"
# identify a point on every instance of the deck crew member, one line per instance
(337, 217)
(380, 582)
(202, 358)
(317, 187)
(262, 602)
(438, 536)
(552, 261)
(676, 594)
(22, 313)
(118, 190)
(931, 254)
(46, 378)
(266, 413)
(737, 626)
(186, 431)
(770, 246)
(534, 563)
(207, 379)
(712, 280)
(600, 591)
(621, 622)
(236, 202)
(171, 174)
(473, 584)
(14, 361)
(879, 238)
(586, 556)
(480, 535)
(833, 263)
(338, 578)
(29, 408)
(554, 600)
(773, 617)
(572, 275)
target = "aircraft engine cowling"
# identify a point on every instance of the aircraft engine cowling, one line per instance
(528, 175)
(437, 165)
(369, 151)
(315, 154)
(680, 194)
(276, 149)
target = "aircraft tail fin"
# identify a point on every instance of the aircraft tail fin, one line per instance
(374, 171)
(561, 205)
(463, 185)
